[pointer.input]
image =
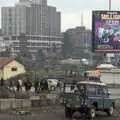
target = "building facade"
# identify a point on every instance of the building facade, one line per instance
(10, 68)
(31, 18)
(38, 21)
(81, 41)
(34, 44)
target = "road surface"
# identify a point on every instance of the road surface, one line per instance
(51, 114)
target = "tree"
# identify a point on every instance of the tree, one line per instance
(6, 53)
(40, 58)
(54, 49)
(67, 45)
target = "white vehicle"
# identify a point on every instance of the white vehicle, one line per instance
(52, 84)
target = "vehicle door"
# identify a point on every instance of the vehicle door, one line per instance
(99, 97)
(106, 100)
(95, 95)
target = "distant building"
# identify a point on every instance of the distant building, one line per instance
(34, 44)
(34, 18)
(4, 43)
(80, 37)
(31, 18)
(10, 68)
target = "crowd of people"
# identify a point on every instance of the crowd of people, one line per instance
(26, 85)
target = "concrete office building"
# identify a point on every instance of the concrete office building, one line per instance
(34, 18)
(80, 38)
(53, 20)
(31, 18)
(14, 19)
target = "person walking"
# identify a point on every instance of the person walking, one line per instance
(2, 82)
(18, 86)
(36, 85)
(44, 85)
(27, 85)
(11, 86)
(59, 86)
(20, 83)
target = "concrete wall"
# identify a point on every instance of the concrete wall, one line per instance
(110, 77)
(35, 101)
(6, 104)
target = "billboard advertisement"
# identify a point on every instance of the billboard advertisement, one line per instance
(106, 31)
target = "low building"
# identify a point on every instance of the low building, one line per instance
(35, 43)
(32, 43)
(80, 38)
(10, 68)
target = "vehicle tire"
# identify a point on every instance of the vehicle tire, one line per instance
(110, 111)
(92, 113)
(67, 112)
(76, 115)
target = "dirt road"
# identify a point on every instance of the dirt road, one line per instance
(51, 114)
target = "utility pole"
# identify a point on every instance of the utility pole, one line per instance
(110, 6)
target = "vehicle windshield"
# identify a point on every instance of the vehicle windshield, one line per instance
(89, 90)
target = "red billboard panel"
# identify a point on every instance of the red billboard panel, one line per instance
(106, 31)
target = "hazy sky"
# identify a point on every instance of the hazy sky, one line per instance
(71, 10)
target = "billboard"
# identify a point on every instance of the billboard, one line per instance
(106, 31)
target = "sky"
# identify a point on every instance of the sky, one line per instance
(71, 10)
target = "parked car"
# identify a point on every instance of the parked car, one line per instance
(52, 84)
(88, 97)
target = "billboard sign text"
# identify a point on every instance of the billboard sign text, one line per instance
(106, 31)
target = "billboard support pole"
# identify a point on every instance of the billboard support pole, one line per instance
(109, 5)
(105, 54)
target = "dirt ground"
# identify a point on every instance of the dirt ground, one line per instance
(51, 114)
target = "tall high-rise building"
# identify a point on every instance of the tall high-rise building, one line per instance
(35, 19)
(32, 17)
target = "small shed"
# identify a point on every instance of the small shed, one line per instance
(9, 68)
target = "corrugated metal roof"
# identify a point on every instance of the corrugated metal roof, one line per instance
(4, 61)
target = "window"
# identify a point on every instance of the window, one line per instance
(99, 91)
(91, 89)
(13, 69)
(105, 91)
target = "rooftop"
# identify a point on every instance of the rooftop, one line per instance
(4, 61)
(92, 83)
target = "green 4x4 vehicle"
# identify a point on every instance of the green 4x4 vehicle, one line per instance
(88, 97)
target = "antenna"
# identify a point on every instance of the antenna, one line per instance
(81, 19)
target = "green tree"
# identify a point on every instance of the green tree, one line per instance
(67, 45)
(6, 53)
(54, 49)
(40, 58)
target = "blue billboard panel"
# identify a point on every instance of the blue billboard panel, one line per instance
(106, 31)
